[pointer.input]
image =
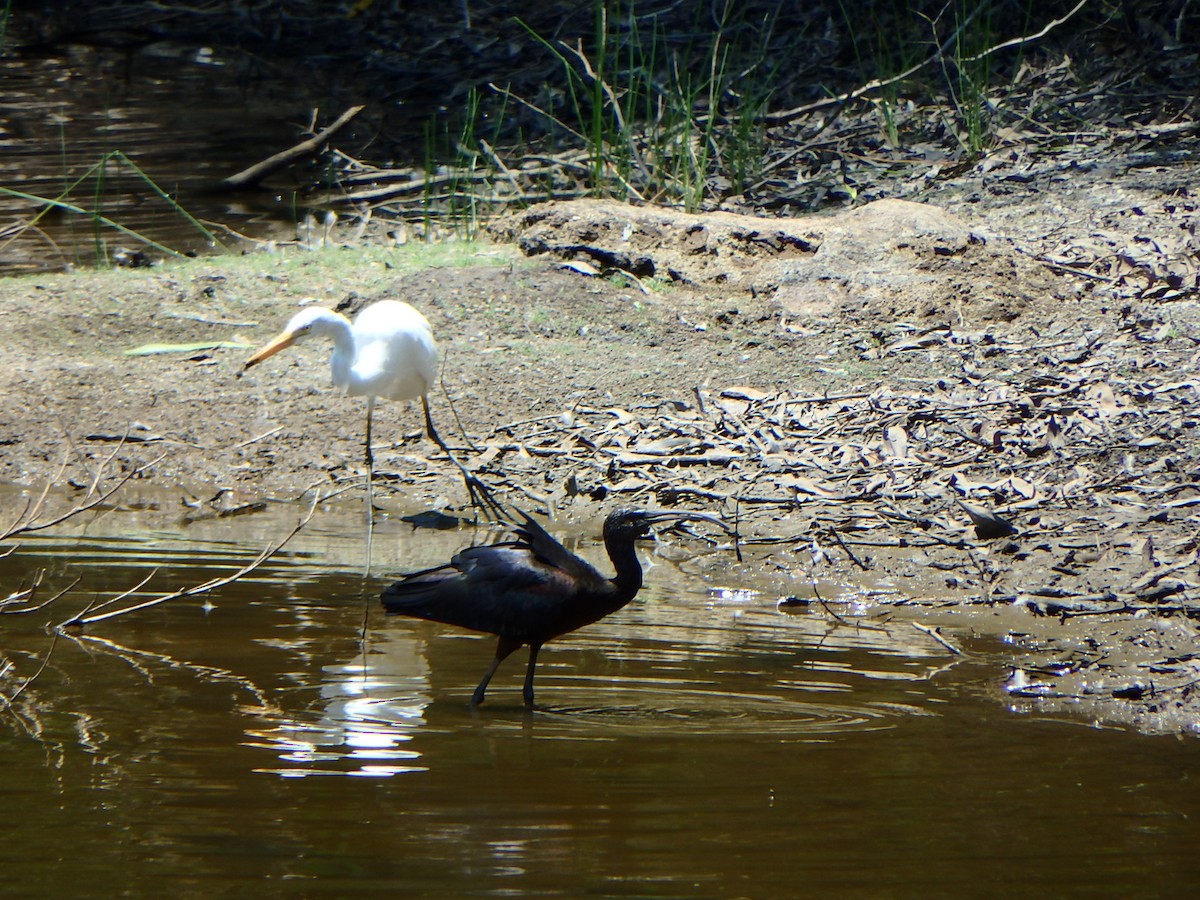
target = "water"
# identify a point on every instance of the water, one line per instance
(699, 743)
(186, 118)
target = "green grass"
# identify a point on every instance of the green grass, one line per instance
(896, 38)
(458, 160)
(90, 207)
(968, 76)
(663, 121)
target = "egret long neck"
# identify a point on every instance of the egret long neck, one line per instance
(342, 361)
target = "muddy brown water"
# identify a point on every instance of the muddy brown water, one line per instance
(287, 737)
(700, 743)
(185, 117)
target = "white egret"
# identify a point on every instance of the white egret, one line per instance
(388, 352)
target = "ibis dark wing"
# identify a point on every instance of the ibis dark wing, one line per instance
(551, 552)
(501, 589)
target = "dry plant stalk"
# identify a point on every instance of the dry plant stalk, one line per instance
(88, 617)
(28, 519)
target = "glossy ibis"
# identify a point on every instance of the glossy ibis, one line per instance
(388, 352)
(529, 590)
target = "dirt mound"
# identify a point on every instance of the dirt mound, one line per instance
(888, 260)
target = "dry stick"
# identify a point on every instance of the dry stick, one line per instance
(81, 620)
(540, 499)
(1070, 270)
(24, 595)
(751, 436)
(30, 680)
(265, 434)
(43, 605)
(257, 172)
(407, 180)
(782, 118)
(394, 195)
(821, 600)
(1013, 42)
(737, 525)
(828, 398)
(936, 635)
(96, 604)
(19, 528)
(22, 516)
(33, 508)
(499, 164)
(845, 549)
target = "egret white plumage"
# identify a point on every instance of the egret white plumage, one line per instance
(388, 352)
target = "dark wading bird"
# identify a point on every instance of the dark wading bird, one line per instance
(529, 590)
(388, 352)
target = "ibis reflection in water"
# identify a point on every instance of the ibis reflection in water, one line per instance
(529, 590)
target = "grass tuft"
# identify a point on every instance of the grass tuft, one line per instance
(101, 224)
(663, 119)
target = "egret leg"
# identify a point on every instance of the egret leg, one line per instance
(370, 489)
(527, 693)
(367, 451)
(480, 493)
(504, 648)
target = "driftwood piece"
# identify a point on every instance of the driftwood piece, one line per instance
(257, 172)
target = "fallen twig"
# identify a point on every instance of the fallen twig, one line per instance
(937, 636)
(82, 619)
(257, 172)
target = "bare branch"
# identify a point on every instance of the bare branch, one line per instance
(26, 522)
(82, 619)
(782, 118)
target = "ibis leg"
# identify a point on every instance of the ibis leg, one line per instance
(528, 692)
(504, 647)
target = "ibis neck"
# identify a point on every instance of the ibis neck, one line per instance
(628, 580)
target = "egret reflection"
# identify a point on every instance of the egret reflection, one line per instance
(371, 709)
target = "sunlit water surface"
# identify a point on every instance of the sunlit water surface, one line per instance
(291, 739)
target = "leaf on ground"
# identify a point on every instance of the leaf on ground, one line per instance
(151, 349)
(808, 486)
(895, 443)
